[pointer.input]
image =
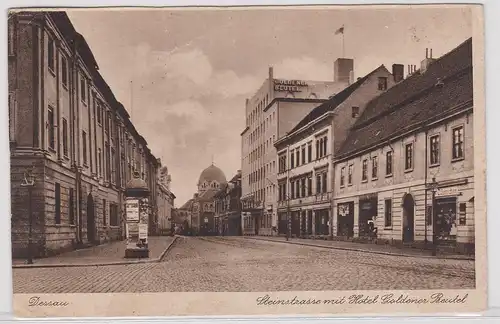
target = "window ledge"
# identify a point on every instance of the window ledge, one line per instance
(388, 175)
(364, 181)
(457, 159)
(409, 170)
(434, 165)
(387, 227)
(374, 178)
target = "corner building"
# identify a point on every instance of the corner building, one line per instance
(415, 138)
(68, 128)
(275, 109)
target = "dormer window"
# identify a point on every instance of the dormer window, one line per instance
(382, 83)
(355, 112)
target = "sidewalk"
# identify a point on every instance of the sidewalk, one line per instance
(363, 247)
(106, 254)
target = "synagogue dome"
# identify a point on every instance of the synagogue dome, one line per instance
(212, 173)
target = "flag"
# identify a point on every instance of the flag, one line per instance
(339, 31)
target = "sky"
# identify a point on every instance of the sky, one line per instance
(184, 74)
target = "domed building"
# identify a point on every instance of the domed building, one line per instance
(203, 207)
(211, 179)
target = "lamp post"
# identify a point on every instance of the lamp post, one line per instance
(434, 188)
(29, 182)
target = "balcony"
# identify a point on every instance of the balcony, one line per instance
(309, 200)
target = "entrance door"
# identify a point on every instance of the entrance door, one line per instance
(90, 219)
(367, 212)
(257, 224)
(295, 224)
(309, 222)
(303, 223)
(408, 218)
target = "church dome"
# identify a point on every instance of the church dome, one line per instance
(212, 173)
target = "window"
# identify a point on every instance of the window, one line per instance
(303, 187)
(297, 188)
(355, 112)
(321, 147)
(434, 147)
(324, 185)
(84, 147)
(57, 203)
(104, 218)
(113, 214)
(297, 156)
(65, 136)
(364, 173)
(64, 71)
(388, 213)
(51, 57)
(303, 154)
(309, 152)
(342, 177)
(51, 132)
(292, 189)
(282, 163)
(388, 163)
(374, 167)
(458, 142)
(292, 160)
(83, 89)
(106, 121)
(409, 156)
(349, 174)
(71, 205)
(309, 186)
(382, 83)
(318, 183)
(12, 37)
(99, 161)
(113, 164)
(99, 114)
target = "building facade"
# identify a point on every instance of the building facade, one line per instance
(413, 142)
(165, 201)
(305, 156)
(273, 111)
(228, 207)
(68, 130)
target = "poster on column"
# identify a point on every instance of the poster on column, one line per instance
(132, 208)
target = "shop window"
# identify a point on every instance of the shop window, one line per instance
(388, 213)
(462, 214)
(446, 209)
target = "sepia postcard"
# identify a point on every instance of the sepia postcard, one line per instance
(191, 161)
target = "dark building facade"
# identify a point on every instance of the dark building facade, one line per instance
(67, 129)
(228, 207)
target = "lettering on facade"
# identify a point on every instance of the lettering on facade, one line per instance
(289, 85)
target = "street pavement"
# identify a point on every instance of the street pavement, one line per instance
(239, 264)
(104, 253)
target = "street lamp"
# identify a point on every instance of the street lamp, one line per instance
(29, 182)
(434, 187)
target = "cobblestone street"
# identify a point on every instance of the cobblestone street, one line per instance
(239, 264)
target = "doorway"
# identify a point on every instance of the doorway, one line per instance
(345, 216)
(408, 218)
(91, 235)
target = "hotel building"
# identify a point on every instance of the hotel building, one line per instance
(272, 112)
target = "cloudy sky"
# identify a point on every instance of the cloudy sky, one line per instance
(191, 70)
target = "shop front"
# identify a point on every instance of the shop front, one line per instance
(367, 215)
(321, 221)
(345, 219)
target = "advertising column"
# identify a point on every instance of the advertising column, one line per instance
(138, 213)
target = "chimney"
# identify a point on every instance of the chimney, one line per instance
(271, 73)
(398, 72)
(342, 68)
(238, 172)
(195, 196)
(424, 65)
(351, 77)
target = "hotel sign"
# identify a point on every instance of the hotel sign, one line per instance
(289, 85)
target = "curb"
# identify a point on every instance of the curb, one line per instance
(366, 251)
(98, 264)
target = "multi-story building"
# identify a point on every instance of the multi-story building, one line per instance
(410, 143)
(165, 201)
(305, 155)
(228, 207)
(273, 111)
(68, 130)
